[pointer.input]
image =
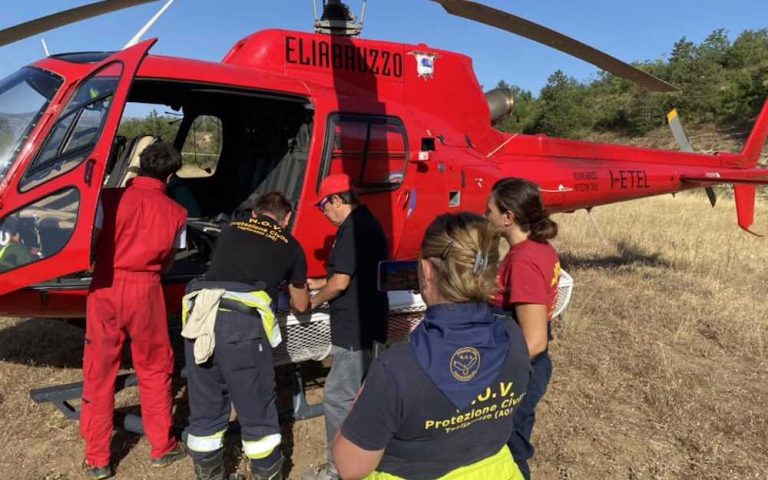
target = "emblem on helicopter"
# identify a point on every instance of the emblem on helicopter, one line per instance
(425, 64)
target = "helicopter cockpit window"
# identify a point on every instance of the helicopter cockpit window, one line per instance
(39, 230)
(202, 148)
(371, 150)
(24, 96)
(77, 130)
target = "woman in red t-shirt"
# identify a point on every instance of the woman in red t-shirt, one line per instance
(528, 280)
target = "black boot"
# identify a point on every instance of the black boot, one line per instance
(262, 470)
(210, 467)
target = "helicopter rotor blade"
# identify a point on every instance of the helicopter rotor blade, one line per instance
(673, 120)
(66, 17)
(558, 41)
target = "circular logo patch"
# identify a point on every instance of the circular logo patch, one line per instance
(465, 363)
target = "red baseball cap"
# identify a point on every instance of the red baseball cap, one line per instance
(332, 184)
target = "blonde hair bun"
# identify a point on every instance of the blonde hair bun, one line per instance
(464, 248)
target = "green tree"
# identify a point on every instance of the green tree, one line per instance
(697, 72)
(563, 108)
(610, 98)
(715, 48)
(163, 126)
(750, 49)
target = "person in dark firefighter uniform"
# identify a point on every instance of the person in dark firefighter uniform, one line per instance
(441, 406)
(230, 330)
(138, 228)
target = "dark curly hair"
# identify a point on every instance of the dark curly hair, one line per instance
(159, 160)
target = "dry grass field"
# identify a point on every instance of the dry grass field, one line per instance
(660, 361)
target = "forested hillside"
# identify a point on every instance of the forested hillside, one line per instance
(721, 82)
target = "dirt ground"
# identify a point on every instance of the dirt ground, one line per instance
(660, 361)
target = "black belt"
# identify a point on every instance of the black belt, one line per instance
(234, 305)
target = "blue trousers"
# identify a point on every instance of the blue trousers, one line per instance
(525, 415)
(239, 373)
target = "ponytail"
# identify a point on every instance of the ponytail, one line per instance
(542, 230)
(523, 199)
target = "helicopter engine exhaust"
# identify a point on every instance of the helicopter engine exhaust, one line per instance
(501, 103)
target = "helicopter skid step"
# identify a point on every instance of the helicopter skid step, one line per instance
(61, 396)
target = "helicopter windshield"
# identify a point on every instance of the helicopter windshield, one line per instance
(24, 96)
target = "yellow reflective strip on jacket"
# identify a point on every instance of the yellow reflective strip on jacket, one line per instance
(4, 249)
(262, 302)
(500, 466)
(262, 447)
(259, 300)
(209, 443)
(186, 306)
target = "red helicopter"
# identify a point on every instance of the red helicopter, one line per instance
(409, 123)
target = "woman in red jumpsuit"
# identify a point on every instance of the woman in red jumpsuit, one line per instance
(528, 280)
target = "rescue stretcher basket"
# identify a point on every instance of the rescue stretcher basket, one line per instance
(310, 338)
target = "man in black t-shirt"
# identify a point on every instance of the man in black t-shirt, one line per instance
(251, 255)
(359, 311)
(259, 249)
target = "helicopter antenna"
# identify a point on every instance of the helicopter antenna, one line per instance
(45, 47)
(337, 19)
(363, 12)
(137, 38)
(597, 227)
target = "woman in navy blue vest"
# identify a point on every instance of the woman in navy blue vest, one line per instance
(442, 405)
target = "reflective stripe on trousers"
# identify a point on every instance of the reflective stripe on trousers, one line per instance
(206, 444)
(500, 466)
(261, 448)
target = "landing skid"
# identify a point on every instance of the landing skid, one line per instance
(62, 397)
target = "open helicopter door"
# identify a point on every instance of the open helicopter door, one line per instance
(48, 209)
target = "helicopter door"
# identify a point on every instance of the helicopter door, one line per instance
(47, 212)
(373, 151)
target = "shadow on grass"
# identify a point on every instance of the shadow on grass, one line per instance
(43, 342)
(122, 444)
(55, 343)
(626, 254)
